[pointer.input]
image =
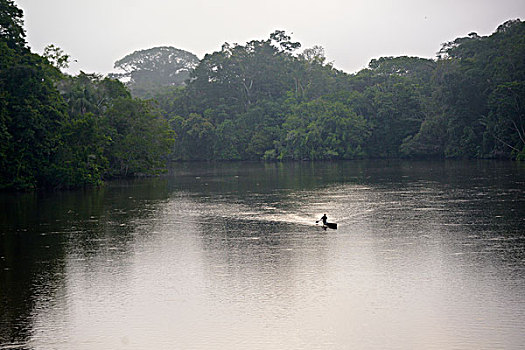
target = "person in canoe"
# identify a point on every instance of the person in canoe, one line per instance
(326, 224)
(323, 219)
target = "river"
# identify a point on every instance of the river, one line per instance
(427, 255)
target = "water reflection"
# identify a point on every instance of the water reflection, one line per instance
(427, 255)
(40, 233)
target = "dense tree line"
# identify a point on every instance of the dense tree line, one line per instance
(261, 100)
(58, 131)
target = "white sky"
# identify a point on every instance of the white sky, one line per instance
(99, 32)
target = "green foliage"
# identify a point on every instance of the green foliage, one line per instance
(56, 56)
(197, 134)
(227, 142)
(104, 114)
(255, 101)
(32, 114)
(429, 141)
(139, 138)
(58, 131)
(238, 100)
(241, 76)
(323, 130)
(396, 114)
(505, 123)
(11, 25)
(474, 84)
(80, 159)
(261, 101)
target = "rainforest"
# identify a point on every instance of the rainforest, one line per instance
(265, 100)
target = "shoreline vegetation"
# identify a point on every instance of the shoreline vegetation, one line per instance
(265, 100)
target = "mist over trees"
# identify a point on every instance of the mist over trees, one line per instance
(264, 100)
(145, 72)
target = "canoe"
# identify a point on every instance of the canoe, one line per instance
(331, 225)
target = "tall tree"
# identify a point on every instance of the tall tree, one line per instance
(147, 71)
(11, 25)
(31, 110)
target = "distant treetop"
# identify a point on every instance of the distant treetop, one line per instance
(146, 71)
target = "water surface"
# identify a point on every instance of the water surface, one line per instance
(228, 256)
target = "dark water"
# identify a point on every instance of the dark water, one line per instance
(428, 255)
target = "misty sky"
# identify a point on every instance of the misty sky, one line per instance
(99, 32)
